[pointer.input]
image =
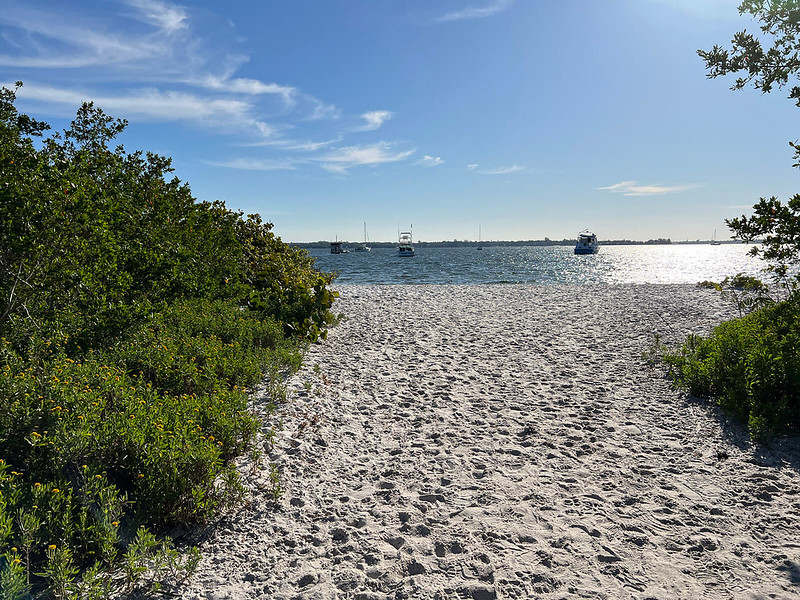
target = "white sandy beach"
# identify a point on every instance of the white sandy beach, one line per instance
(508, 442)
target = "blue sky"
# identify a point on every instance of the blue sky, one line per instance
(526, 118)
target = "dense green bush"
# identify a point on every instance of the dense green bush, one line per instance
(284, 282)
(141, 433)
(751, 365)
(93, 240)
(132, 321)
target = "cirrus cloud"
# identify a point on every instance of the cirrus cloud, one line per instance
(632, 188)
(166, 17)
(430, 161)
(374, 119)
(497, 170)
(476, 12)
(257, 164)
(166, 62)
(339, 160)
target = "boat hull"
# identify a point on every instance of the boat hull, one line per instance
(592, 250)
(405, 247)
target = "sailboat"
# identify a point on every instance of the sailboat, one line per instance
(714, 241)
(479, 238)
(363, 247)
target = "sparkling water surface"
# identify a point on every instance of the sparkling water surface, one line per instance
(675, 263)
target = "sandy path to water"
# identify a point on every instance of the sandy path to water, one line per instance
(509, 442)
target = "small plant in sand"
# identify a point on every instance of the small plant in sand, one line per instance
(149, 563)
(275, 482)
(655, 352)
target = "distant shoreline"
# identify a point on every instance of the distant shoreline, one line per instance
(545, 242)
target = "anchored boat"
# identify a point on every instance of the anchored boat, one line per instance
(405, 244)
(336, 248)
(363, 247)
(587, 243)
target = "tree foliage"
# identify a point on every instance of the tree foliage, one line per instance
(777, 225)
(763, 68)
(767, 61)
(95, 238)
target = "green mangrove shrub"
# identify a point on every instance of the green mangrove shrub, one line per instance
(133, 319)
(750, 365)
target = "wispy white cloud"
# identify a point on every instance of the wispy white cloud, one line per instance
(49, 40)
(257, 164)
(165, 16)
(430, 161)
(155, 105)
(631, 188)
(476, 12)
(155, 60)
(316, 109)
(242, 85)
(312, 146)
(339, 160)
(295, 145)
(373, 120)
(498, 170)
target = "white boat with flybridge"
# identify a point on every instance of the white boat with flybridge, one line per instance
(337, 248)
(363, 247)
(587, 243)
(405, 245)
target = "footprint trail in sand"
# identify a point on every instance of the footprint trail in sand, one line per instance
(480, 442)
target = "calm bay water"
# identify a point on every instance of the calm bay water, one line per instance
(678, 263)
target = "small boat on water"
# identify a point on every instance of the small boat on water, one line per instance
(336, 248)
(363, 247)
(714, 241)
(404, 245)
(587, 243)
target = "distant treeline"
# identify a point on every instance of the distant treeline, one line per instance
(544, 242)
